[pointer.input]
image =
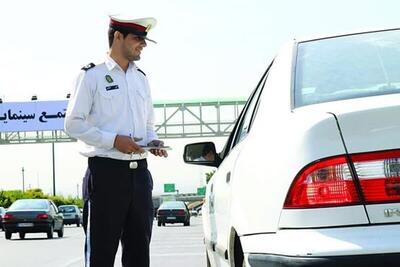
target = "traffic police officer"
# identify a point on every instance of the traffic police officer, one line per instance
(111, 111)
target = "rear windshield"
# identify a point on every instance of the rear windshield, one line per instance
(67, 209)
(29, 204)
(172, 205)
(347, 67)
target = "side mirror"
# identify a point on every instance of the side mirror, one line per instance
(201, 154)
(193, 213)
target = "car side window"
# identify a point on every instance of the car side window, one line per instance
(250, 113)
(244, 128)
(53, 208)
(231, 142)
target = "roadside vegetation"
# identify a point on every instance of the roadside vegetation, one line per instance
(209, 175)
(8, 197)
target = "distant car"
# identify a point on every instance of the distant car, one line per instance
(173, 212)
(2, 212)
(310, 174)
(72, 214)
(33, 216)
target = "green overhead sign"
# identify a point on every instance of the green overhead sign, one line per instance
(201, 191)
(168, 188)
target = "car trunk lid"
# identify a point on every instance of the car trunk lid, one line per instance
(25, 215)
(370, 128)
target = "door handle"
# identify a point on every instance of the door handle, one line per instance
(228, 177)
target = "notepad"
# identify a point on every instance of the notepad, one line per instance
(156, 147)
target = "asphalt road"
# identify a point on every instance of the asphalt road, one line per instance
(172, 245)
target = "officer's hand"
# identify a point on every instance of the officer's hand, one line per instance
(158, 152)
(125, 144)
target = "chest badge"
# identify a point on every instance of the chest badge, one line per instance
(109, 79)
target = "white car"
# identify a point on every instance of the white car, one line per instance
(310, 175)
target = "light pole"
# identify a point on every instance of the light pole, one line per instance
(23, 180)
(37, 180)
(54, 170)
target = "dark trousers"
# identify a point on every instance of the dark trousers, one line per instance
(119, 208)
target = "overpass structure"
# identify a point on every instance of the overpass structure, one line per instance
(188, 197)
(175, 119)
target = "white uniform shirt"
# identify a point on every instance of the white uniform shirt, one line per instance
(106, 102)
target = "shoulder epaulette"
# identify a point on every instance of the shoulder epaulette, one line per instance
(141, 71)
(88, 66)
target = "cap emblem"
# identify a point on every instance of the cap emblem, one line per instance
(148, 28)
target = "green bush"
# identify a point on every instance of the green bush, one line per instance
(209, 175)
(8, 197)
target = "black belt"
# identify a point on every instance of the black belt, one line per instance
(130, 164)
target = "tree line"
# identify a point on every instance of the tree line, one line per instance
(8, 197)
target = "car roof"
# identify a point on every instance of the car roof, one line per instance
(333, 35)
(32, 199)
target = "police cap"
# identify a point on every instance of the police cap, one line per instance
(139, 27)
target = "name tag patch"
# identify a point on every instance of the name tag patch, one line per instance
(112, 87)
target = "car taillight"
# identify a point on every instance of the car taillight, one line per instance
(161, 212)
(8, 217)
(326, 183)
(379, 175)
(180, 212)
(42, 216)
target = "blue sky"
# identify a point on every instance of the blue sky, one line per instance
(206, 49)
